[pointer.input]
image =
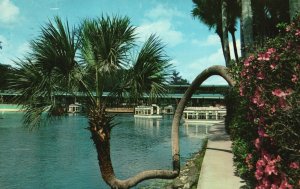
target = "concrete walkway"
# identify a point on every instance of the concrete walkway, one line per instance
(217, 170)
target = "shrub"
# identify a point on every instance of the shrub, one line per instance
(265, 128)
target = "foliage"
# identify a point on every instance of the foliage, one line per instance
(266, 15)
(5, 71)
(176, 79)
(265, 128)
(209, 12)
(87, 59)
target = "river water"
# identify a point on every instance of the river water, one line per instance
(62, 155)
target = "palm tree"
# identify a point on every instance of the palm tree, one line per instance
(246, 26)
(53, 67)
(294, 6)
(210, 13)
(234, 12)
(105, 44)
(224, 13)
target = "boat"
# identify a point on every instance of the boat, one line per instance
(152, 111)
(168, 110)
(204, 114)
(75, 108)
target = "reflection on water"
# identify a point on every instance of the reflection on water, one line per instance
(196, 129)
(62, 155)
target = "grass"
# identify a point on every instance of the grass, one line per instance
(198, 162)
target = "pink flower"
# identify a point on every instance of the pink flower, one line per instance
(246, 63)
(273, 66)
(260, 76)
(297, 32)
(257, 143)
(273, 109)
(266, 182)
(262, 133)
(248, 161)
(241, 89)
(259, 174)
(294, 78)
(294, 165)
(285, 185)
(266, 156)
(260, 164)
(271, 51)
(281, 93)
(263, 57)
(282, 103)
(271, 169)
(278, 93)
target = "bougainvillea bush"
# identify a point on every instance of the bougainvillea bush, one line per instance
(265, 128)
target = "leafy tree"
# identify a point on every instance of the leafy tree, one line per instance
(176, 79)
(104, 43)
(5, 70)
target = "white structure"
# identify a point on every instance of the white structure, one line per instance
(204, 114)
(152, 111)
(75, 108)
(169, 110)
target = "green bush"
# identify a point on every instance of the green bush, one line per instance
(265, 124)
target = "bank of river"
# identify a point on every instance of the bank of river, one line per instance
(62, 155)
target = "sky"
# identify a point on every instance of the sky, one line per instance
(191, 46)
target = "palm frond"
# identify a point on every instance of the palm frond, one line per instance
(50, 68)
(150, 70)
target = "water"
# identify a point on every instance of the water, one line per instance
(62, 154)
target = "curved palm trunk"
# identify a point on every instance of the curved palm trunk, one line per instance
(100, 128)
(234, 45)
(246, 27)
(214, 70)
(225, 32)
(294, 7)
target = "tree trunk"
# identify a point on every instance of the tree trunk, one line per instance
(214, 70)
(225, 32)
(246, 27)
(234, 45)
(294, 8)
(220, 34)
(100, 128)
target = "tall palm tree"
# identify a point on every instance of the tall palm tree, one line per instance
(53, 67)
(210, 13)
(224, 12)
(234, 13)
(246, 26)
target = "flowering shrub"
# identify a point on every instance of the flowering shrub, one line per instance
(266, 126)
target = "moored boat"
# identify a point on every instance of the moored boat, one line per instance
(204, 114)
(152, 111)
(168, 110)
(75, 108)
